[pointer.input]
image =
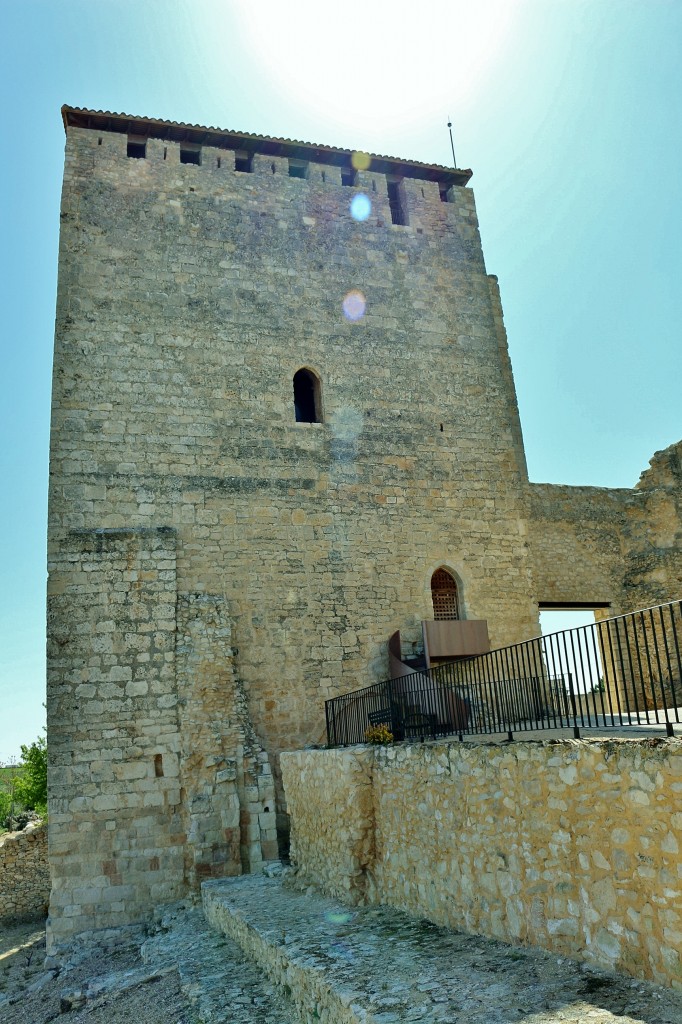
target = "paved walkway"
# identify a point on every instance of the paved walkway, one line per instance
(345, 965)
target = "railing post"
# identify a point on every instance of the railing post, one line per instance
(574, 709)
(391, 704)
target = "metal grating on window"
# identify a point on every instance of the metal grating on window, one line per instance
(444, 594)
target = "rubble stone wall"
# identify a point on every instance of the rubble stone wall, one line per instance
(24, 873)
(615, 546)
(569, 845)
(577, 544)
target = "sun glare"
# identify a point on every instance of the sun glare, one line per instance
(375, 70)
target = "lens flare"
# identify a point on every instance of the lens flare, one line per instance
(360, 207)
(354, 305)
(360, 160)
(347, 424)
(335, 917)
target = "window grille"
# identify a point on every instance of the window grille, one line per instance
(444, 594)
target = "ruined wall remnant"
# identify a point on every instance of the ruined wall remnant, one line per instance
(24, 873)
(618, 546)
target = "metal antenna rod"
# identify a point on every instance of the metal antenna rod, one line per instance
(452, 145)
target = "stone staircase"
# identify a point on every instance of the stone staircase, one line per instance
(277, 955)
(221, 983)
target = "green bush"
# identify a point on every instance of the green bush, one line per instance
(31, 784)
(5, 806)
(9, 803)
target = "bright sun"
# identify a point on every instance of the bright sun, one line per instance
(355, 64)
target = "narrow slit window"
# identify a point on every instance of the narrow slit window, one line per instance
(243, 161)
(190, 154)
(137, 147)
(307, 397)
(396, 201)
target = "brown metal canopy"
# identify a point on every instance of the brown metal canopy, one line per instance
(175, 131)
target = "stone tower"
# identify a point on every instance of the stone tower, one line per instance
(274, 420)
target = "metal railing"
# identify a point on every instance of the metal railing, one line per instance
(619, 672)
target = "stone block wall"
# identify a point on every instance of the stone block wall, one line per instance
(577, 544)
(218, 569)
(618, 546)
(570, 845)
(156, 777)
(24, 874)
(115, 827)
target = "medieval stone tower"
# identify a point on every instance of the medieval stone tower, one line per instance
(274, 420)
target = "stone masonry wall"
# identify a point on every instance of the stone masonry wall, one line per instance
(569, 845)
(24, 873)
(228, 795)
(217, 569)
(115, 827)
(156, 778)
(188, 298)
(577, 543)
(621, 546)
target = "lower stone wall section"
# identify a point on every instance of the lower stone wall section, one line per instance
(24, 874)
(116, 835)
(570, 845)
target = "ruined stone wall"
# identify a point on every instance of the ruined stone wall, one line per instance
(618, 546)
(653, 572)
(24, 873)
(569, 845)
(577, 543)
(188, 298)
(228, 796)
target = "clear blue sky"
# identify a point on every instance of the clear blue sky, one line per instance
(567, 111)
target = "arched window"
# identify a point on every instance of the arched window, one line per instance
(444, 595)
(307, 397)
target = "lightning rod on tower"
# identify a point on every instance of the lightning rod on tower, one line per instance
(452, 145)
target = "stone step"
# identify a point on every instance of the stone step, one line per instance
(375, 965)
(223, 986)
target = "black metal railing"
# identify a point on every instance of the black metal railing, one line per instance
(619, 672)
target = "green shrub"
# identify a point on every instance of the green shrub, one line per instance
(31, 784)
(9, 802)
